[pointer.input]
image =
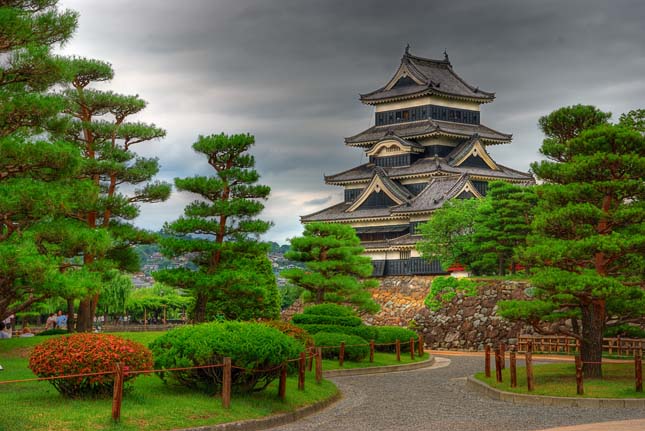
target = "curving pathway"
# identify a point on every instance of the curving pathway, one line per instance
(436, 398)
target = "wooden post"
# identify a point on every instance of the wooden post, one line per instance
(529, 369)
(412, 348)
(579, 383)
(620, 350)
(502, 354)
(301, 371)
(341, 354)
(371, 350)
(420, 350)
(498, 365)
(282, 387)
(117, 397)
(145, 318)
(638, 370)
(310, 360)
(318, 365)
(487, 360)
(398, 350)
(226, 383)
(513, 369)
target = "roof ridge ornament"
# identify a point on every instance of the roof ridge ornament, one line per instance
(445, 56)
(407, 49)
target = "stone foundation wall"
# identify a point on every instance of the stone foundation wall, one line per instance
(468, 323)
(465, 323)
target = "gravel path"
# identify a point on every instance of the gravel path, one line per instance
(436, 399)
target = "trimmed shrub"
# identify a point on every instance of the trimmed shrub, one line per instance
(389, 334)
(53, 332)
(625, 330)
(330, 309)
(251, 346)
(87, 353)
(314, 319)
(363, 331)
(352, 352)
(299, 333)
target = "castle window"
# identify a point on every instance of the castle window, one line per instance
(405, 254)
(406, 115)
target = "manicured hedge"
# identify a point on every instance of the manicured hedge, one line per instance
(298, 332)
(53, 332)
(249, 345)
(330, 310)
(389, 334)
(84, 354)
(352, 353)
(363, 331)
(314, 319)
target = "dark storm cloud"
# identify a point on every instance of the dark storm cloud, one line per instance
(289, 72)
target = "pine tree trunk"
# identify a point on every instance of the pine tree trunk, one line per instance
(320, 296)
(70, 315)
(200, 308)
(593, 325)
(84, 323)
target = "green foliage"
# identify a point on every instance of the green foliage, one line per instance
(356, 348)
(87, 353)
(330, 309)
(249, 345)
(588, 245)
(363, 331)
(233, 276)
(314, 319)
(52, 332)
(447, 234)
(444, 289)
(335, 270)
(389, 334)
(297, 332)
(625, 331)
(289, 294)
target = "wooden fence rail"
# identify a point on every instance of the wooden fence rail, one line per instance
(569, 345)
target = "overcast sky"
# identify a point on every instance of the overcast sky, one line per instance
(289, 72)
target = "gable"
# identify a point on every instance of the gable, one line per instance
(377, 199)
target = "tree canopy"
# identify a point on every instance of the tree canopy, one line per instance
(335, 270)
(588, 244)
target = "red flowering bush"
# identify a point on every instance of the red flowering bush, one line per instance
(87, 353)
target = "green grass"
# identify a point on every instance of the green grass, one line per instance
(380, 360)
(151, 405)
(559, 380)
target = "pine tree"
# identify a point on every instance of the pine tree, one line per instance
(39, 242)
(501, 227)
(98, 125)
(588, 249)
(335, 270)
(219, 233)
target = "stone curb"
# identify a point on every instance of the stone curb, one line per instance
(544, 400)
(378, 370)
(268, 422)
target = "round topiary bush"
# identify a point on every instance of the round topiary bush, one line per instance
(353, 352)
(87, 353)
(330, 309)
(297, 332)
(249, 345)
(389, 334)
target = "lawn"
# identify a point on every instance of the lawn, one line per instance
(558, 379)
(151, 405)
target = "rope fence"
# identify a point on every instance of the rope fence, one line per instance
(305, 360)
(500, 360)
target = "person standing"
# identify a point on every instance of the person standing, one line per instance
(3, 332)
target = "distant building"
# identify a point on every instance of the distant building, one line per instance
(427, 145)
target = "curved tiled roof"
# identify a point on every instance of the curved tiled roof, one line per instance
(419, 129)
(430, 77)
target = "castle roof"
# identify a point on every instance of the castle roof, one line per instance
(418, 76)
(426, 128)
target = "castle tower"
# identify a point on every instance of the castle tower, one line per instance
(427, 145)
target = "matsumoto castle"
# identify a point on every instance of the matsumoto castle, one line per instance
(427, 145)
